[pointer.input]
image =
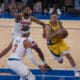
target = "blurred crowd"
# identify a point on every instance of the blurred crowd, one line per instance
(44, 6)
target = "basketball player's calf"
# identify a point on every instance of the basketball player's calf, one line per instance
(40, 54)
(71, 60)
(69, 57)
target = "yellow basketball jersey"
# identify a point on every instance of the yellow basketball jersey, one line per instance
(56, 45)
(53, 29)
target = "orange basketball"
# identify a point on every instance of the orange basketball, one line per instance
(63, 33)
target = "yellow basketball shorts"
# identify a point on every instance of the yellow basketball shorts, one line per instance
(58, 48)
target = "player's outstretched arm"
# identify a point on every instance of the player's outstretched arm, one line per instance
(39, 52)
(27, 45)
(12, 11)
(63, 32)
(33, 60)
(34, 19)
(5, 51)
(48, 34)
(59, 33)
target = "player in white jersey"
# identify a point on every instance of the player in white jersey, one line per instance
(19, 24)
(21, 20)
(21, 46)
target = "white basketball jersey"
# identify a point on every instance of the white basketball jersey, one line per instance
(16, 31)
(18, 50)
(17, 26)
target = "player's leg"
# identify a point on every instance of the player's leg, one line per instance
(70, 58)
(21, 69)
(54, 50)
(39, 51)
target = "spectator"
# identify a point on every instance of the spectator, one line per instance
(38, 7)
(34, 8)
(6, 3)
(68, 5)
(77, 4)
(19, 7)
(25, 2)
(51, 9)
(2, 7)
(45, 10)
(76, 9)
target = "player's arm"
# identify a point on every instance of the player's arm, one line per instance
(28, 46)
(12, 11)
(48, 31)
(5, 51)
(63, 31)
(40, 23)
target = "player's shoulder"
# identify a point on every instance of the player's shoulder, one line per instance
(33, 18)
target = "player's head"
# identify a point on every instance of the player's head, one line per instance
(25, 30)
(54, 15)
(26, 10)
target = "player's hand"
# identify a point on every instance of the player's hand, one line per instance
(11, 5)
(42, 68)
(48, 67)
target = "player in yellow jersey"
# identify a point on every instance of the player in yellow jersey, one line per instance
(54, 34)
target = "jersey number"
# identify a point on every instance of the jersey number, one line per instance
(15, 47)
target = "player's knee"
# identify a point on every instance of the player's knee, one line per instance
(34, 45)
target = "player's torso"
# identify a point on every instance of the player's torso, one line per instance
(18, 25)
(53, 29)
(18, 51)
(26, 21)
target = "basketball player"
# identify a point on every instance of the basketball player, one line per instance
(54, 34)
(21, 46)
(25, 19)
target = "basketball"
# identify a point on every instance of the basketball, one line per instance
(63, 34)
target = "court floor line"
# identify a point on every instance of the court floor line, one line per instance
(43, 75)
(71, 28)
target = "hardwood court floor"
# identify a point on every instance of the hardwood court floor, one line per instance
(72, 40)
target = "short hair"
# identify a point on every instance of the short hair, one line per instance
(54, 12)
(25, 7)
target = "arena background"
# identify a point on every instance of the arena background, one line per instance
(70, 20)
